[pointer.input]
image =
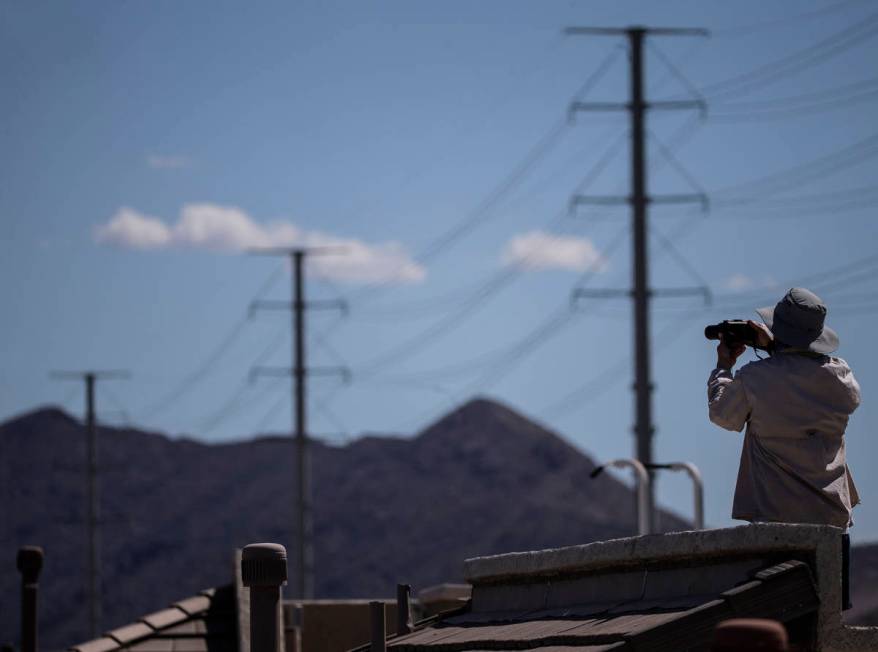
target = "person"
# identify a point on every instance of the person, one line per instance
(795, 404)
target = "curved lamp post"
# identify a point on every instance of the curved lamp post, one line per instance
(641, 475)
(697, 484)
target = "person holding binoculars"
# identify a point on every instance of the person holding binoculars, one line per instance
(795, 405)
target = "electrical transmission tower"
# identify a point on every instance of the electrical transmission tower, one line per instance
(94, 516)
(300, 372)
(639, 199)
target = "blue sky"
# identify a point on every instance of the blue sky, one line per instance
(145, 145)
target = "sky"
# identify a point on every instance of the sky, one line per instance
(427, 151)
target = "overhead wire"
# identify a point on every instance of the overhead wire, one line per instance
(554, 324)
(193, 378)
(415, 172)
(503, 354)
(813, 55)
(860, 270)
(784, 21)
(784, 113)
(272, 412)
(845, 92)
(484, 208)
(542, 334)
(477, 301)
(420, 308)
(236, 401)
(603, 381)
(799, 174)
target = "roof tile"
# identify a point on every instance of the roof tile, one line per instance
(197, 644)
(102, 644)
(165, 618)
(192, 627)
(153, 644)
(130, 633)
(194, 605)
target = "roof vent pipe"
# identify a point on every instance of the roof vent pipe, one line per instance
(697, 484)
(264, 570)
(379, 627)
(29, 561)
(641, 477)
(403, 609)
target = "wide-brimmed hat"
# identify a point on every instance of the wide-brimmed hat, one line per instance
(798, 321)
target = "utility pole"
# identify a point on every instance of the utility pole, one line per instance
(94, 516)
(300, 372)
(639, 200)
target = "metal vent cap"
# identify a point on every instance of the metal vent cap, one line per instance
(264, 564)
(30, 561)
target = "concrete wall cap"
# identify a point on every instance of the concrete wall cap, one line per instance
(634, 551)
(820, 545)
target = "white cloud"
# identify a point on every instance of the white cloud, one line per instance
(230, 229)
(541, 250)
(741, 282)
(128, 228)
(167, 162)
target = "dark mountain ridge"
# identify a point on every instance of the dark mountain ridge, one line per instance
(481, 480)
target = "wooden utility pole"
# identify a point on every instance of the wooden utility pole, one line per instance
(299, 370)
(641, 293)
(94, 505)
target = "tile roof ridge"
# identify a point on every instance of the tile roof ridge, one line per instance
(151, 624)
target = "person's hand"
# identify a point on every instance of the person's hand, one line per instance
(726, 355)
(764, 337)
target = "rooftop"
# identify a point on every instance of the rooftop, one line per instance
(656, 592)
(201, 623)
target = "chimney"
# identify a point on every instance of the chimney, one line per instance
(264, 570)
(29, 562)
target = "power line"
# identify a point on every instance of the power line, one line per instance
(484, 208)
(475, 302)
(671, 249)
(235, 401)
(797, 61)
(860, 270)
(783, 113)
(598, 385)
(785, 21)
(418, 171)
(799, 174)
(507, 356)
(503, 356)
(192, 379)
(421, 308)
(801, 99)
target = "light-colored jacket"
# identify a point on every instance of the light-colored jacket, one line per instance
(796, 408)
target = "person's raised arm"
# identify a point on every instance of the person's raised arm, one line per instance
(726, 399)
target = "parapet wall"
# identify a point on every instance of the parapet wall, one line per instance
(723, 550)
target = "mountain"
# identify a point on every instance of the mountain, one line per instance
(483, 479)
